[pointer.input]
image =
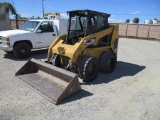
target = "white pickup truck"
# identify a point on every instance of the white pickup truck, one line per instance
(33, 34)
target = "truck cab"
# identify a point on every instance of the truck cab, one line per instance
(33, 34)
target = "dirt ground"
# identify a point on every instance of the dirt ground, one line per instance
(131, 92)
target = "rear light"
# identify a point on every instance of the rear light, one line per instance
(8, 41)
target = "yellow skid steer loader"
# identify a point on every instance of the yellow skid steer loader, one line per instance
(89, 46)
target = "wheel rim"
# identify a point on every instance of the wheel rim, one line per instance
(23, 51)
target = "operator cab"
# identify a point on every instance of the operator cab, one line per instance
(83, 23)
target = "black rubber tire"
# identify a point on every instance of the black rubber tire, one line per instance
(8, 52)
(22, 50)
(108, 62)
(88, 68)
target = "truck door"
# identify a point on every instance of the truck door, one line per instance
(45, 34)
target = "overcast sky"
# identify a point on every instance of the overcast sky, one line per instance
(120, 10)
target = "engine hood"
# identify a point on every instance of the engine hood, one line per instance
(8, 33)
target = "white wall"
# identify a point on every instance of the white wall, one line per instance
(4, 19)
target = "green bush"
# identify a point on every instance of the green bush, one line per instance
(136, 20)
(127, 20)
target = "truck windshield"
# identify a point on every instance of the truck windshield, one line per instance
(29, 25)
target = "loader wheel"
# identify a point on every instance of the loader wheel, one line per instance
(88, 68)
(56, 60)
(108, 62)
(22, 50)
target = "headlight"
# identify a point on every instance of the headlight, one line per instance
(91, 41)
(8, 41)
(5, 40)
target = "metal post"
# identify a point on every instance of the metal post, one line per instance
(148, 31)
(137, 30)
(43, 8)
(17, 24)
(126, 30)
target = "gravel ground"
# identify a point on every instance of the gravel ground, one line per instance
(131, 92)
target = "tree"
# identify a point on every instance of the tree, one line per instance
(136, 20)
(155, 18)
(127, 20)
(38, 17)
(10, 8)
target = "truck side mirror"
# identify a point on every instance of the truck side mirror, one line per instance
(40, 29)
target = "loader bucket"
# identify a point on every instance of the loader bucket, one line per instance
(53, 83)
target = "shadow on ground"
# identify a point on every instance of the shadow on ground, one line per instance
(37, 54)
(122, 69)
(77, 96)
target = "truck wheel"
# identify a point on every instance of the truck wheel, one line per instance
(22, 50)
(88, 68)
(108, 62)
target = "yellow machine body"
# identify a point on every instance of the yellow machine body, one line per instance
(80, 48)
